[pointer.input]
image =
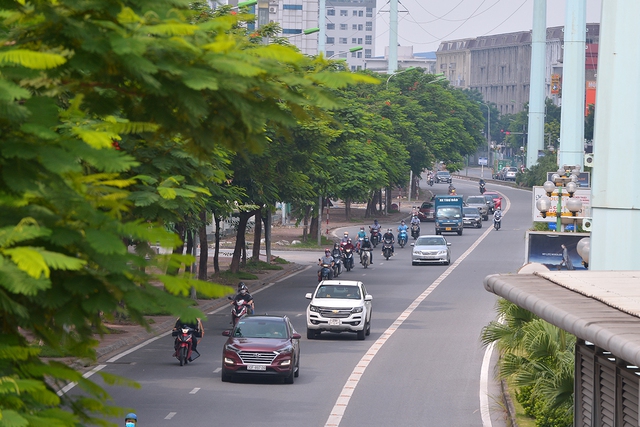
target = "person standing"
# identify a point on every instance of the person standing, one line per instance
(566, 260)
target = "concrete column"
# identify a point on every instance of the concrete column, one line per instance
(615, 192)
(322, 24)
(535, 142)
(571, 150)
(393, 36)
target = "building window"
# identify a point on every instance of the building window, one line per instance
(359, 27)
(331, 40)
(369, 25)
(292, 7)
(331, 12)
(359, 67)
(367, 53)
(353, 68)
(354, 40)
(331, 26)
(360, 13)
(369, 12)
(330, 53)
(353, 54)
(344, 12)
(291, 31)
(354, 27)
(368, 40)
(344, 27)
(359, 54)
(359, 40)
(355, 13)
(342, 40)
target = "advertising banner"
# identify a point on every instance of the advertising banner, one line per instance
(546, 248)
(583, 194)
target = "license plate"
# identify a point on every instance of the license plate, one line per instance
(256, 368)
(448, 229)
(334, 322)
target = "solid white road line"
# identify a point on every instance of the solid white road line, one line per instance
(195, 390)
(215, 371)
(69, 386)
(485, 413)
(342, 402)
(170, 415)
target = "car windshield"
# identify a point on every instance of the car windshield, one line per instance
(448, 213)
(476, 200)
(426, 205)
(252, 327)
(513, 170)
(471, 211)
(443, 173)
(430, 241)
(338, 291)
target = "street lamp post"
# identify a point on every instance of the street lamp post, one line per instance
(351, 50)
(399, 72)
(566, 177)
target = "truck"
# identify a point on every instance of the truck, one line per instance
(449, 214)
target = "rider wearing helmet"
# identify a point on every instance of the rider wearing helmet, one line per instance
(326, 259)
(366, 246)
(130, 420)
(196, 326)
(388, 237)
(243, 294)
(345, 238)
(402, 226)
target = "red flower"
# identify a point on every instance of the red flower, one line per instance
(115, 145)
(388, 102)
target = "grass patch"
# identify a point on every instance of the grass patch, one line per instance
(522, 419)
(279, 260)
(313, 243)
(229, 278)
(46, 351)
(257, 266)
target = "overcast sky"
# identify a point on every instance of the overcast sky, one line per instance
(425, 23)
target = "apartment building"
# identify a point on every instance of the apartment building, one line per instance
(351, 23)
(294, 17)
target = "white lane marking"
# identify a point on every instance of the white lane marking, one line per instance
(342, 402)
(71, 385)
(293, 274)
(215, 371)
(195, 390)
(138, 347)
(485, 413)
(170, 415)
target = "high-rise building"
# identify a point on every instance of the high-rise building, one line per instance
(294, 17)
(351, 23)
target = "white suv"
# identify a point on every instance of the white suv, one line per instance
(339, 306)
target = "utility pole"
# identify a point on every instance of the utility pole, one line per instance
(322, 24)
(393, 36)
(535, 141)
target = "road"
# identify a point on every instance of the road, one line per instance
(424, 371)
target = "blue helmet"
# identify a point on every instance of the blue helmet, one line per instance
(131, 416)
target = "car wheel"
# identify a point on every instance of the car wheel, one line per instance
(459, 232)
(311, 334)
(413, 263)
(480, 224)
(448, 261)
(225, 377)
(368, 328)
(297, 373)
(289, 378)
(361, 334)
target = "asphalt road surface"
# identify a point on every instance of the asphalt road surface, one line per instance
(421, 365)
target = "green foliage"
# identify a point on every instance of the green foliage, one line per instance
(537, 174)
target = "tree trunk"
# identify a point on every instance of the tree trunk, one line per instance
(204, 247)
(307, 212)
(257, 236)
(243, 217)
(347, 209)
(380, 200)
(190, 243)
(216, 251)
(178, 250)
(267, 233)
(313, 228)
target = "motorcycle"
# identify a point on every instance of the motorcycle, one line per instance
(366, 257)
(482, 189)
(325, 272)
(415, 231)
(430, 181)
(402, 238)
(337, 266)
(387, 249)
(496, 222)
(375, 237)
(348, 259)
(183, 345)
(239, 309)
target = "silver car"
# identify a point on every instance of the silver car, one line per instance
(480, 203)
(431, 249)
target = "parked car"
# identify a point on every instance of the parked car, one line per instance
(339, 306)
(431, 249)
(480, 203)
(443, 176)
(496, 197)
(262, 345)
(510, 174)
(471, 217)
(427, 212)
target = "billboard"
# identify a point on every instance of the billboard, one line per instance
(583, 194)
(546, 248)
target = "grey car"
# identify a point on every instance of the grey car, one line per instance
(491, 205)
(431, 249)
(471, 217)
(443, 176)
(480, 203)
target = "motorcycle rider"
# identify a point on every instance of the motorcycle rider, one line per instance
(326, 259)
(452, 189)
(366, 246)
(346, 246)
(130, 420)
(375, 227)
(361, 235)
(197, 328)
(482, 184)
(344, 238)
(388, 237)
(415, 221)
(336, 253)
(497, 216)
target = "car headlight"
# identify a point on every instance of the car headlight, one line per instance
(287, 349)
(356, 310)
(442, 252)
(230, 347)
(416, 252)
(314, 308)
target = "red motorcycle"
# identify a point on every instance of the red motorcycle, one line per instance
(184, 345)
(240, 308)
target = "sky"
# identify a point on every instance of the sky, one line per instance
(425, 23)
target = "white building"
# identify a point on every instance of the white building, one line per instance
(351, 23)
(294, 17)
(406, 59)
